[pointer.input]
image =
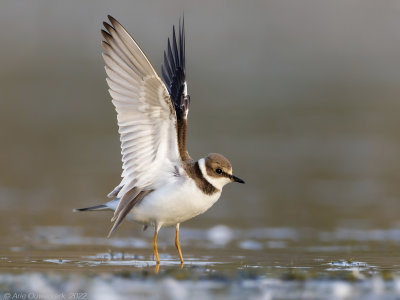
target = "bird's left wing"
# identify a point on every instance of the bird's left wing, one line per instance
(146, 119)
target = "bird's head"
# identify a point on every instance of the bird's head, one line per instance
(218, 170)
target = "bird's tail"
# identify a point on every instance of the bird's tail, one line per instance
(97, 207)
(111, 205)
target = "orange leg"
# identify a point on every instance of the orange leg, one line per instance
(155, 246)
(157, 268)
(178, 246)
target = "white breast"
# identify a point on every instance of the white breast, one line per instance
(173, 203)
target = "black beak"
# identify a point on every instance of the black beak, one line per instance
(237, 179)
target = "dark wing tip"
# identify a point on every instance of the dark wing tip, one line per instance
(107, 26)
(105, 34)
(112, 19)
(173, 70)
(106, 46)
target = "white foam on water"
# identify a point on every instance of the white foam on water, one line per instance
(250, 245)
(220, 235)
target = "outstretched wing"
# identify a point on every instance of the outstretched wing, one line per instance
(173, 73)
(146, 118)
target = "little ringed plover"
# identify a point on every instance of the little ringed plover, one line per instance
(161, 184)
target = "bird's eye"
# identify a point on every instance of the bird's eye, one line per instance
(219, 171)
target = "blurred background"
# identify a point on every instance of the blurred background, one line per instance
(301, 96)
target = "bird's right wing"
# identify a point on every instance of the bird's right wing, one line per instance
(173, 73)
(146, 119)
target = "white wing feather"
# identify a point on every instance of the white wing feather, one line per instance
(146, 118)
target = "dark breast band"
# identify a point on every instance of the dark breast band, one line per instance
(194, 172)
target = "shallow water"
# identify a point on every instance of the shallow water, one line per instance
(302, 97)
(222, 261)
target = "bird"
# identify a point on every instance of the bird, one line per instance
(161, 184)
